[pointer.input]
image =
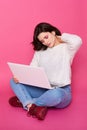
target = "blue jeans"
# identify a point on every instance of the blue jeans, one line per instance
(57, 97)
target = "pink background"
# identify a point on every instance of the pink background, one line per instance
(17, 21)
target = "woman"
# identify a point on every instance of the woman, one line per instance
(54, 52)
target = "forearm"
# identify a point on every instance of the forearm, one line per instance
(72, 40)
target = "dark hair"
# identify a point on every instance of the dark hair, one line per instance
(42, 27)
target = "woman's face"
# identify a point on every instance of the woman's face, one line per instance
(47, 38)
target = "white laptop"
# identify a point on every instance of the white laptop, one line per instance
(26, 74)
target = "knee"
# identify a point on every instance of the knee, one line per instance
(59, 95)
(12, 83)
(56, 94)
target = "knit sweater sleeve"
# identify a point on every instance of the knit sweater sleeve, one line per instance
(35, 59)
(73, 42)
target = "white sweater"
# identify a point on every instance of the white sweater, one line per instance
(57, 60)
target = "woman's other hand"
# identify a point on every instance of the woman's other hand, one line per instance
(15, 80)
(59, 39)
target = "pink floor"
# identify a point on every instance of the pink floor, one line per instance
(73, 117)
(17, 21)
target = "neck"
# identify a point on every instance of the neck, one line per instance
(58, 40)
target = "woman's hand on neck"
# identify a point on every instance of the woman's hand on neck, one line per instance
(58, 40)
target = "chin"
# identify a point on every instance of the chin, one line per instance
(51, 45)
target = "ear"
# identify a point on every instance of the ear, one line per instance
(53, 32)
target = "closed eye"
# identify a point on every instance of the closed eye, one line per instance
(46, 37)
